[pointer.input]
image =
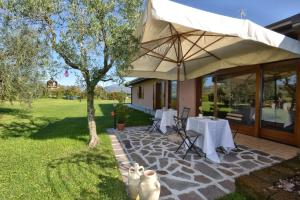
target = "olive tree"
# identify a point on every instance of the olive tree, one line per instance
(21, 63)
(93, 37)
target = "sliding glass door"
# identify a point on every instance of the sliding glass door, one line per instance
(279, 98)
(266, 96)
(236, 95)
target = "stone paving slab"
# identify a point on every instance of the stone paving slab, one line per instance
(192, 178)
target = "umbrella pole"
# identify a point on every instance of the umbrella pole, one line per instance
(178, 88)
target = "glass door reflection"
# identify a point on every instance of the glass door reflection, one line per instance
(279, 99)
(236, 95)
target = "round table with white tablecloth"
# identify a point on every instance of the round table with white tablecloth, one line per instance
(215, 133)
(167, 118)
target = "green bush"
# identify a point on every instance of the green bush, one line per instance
(122, 112)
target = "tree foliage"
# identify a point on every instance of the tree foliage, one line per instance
(21, 64)
(91, 36)
(94, 37)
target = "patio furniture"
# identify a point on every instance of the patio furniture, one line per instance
(155, 125)
(164, 118)
(188, 137)
(183, 116)
(236, 119)
(177, 42)
(216, 133)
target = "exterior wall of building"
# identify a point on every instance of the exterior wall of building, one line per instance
(188, 96)
(147, 101)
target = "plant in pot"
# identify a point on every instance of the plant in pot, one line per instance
(122, 112)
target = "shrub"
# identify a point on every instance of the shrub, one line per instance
(122, 112)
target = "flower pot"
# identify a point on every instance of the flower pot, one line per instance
(120, 126)
(134, 174)
(149, 187)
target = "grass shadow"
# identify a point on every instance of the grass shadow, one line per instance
(73, 127)
(25, 127)
(85, 175)
(19, 113)
(41, 128)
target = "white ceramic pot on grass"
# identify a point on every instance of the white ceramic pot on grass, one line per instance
(149, 187)
(134, 174)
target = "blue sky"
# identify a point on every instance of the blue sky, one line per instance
(262, 12)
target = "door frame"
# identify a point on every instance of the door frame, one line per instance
(278, 135)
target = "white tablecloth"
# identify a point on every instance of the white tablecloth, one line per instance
(277, 115)
(167, 118)
(214, 133)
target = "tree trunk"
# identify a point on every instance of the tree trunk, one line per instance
(94, 140)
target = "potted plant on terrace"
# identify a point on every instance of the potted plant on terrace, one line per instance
(122, 112)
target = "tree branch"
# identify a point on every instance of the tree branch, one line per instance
(55, 47)
(108, 79)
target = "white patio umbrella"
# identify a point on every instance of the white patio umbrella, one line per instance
(180, 42)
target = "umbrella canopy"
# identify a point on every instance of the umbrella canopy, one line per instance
(180, 42)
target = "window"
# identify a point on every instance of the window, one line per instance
(236, 94)
(141, 92)
(207, 96)
(173, 94)
(279, 98)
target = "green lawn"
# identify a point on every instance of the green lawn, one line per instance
(44, 153)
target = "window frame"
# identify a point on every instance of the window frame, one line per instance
(140, 92)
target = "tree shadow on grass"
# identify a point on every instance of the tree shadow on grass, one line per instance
(13, 111)
(24, 127)
(73, 127)
(86, 175)
(50, 128)
(46, 128)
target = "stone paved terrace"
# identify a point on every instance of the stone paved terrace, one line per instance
(192, 178)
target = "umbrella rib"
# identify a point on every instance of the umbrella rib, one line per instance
(177, 54)
(209, 35)
(171, 36)
(192, 46)
(204, 49)
(165, 54)
(148, 50)
(178, 37)
(183, 65)
(179, 34)
(197, 58)
(159, 55)
(155, 40)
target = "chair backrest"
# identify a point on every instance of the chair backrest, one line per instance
(235, 117)
(185, 112)
(184, 116)
(178, 124)
(179, 127)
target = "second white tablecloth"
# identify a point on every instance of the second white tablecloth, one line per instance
(167, 118)
(214, 133)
